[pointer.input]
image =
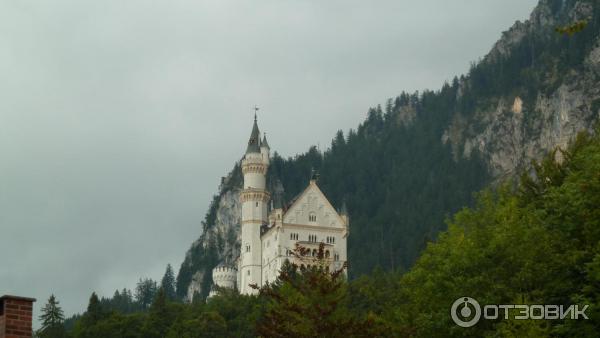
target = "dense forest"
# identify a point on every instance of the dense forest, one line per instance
(536, 242)
(426, 225)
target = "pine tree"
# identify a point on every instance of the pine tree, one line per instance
(157, 323)
(94, 310)
(168, 283)
(308, 301)
(52, 319)
(145, 291)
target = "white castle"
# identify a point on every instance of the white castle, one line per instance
(270, 232)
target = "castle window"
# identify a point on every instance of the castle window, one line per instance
(247, 248)
(327, 254)
(312, 217)
(336, 257)
(294, 236)
(248, 272)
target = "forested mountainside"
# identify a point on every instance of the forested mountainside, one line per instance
(419, 158)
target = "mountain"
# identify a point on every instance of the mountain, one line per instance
(419, 158)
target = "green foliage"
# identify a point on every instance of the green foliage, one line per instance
(52, 320)
(145, 291)
(308, 301)
(538, 245)
(168, 283)
(206, 325)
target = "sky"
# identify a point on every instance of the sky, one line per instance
(118, 118)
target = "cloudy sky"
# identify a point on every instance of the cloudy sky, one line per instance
(118, 118)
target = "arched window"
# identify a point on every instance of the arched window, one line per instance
(314, 252)
(326, 253)
(312, 217)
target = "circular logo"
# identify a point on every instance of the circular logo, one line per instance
(463, 309)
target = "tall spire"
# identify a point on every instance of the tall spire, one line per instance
(254, 141)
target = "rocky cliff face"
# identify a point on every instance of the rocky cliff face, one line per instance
(506, 129)
(219, 241)
(226, 232)
(511, 133)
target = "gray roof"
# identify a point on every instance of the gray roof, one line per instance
(254, 141)
(264, 141)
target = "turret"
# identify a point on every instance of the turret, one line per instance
(264, 147)
(254, 198)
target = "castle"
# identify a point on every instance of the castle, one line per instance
(271, 228)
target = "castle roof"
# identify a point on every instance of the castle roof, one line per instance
(264, 141)
(254, 141)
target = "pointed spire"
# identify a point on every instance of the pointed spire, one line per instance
(254, 141)
(264, 141)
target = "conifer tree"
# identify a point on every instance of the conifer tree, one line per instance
(145, 291)
(94, 310)
(168, 283)
(52, 319)
(308, 301)
(158, 320)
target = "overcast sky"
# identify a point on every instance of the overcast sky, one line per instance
(118, 118)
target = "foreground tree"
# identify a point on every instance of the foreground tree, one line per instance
(52, 319)
(308, 301)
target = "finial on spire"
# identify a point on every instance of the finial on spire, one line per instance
(254, 142)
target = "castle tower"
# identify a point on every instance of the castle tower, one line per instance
(254, 199)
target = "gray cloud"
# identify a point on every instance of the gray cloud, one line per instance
(117, 118)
